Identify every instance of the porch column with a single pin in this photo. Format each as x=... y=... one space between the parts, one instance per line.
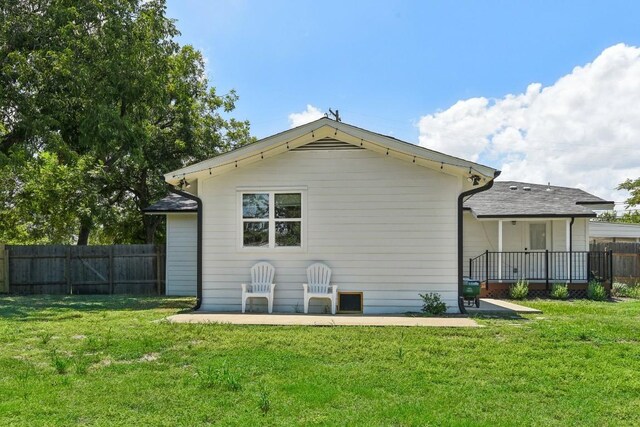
x=500 y=250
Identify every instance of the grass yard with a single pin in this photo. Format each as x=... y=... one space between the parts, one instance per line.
x=114 y=361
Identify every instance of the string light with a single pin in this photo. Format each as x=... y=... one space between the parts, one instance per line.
x=370 y=143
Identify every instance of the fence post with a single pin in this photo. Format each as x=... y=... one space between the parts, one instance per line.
x=158 y=279
x=611 y=268
x=111 y=269
x=546 y=267
x=486 y=268
x=67 y=270
x=6 y=287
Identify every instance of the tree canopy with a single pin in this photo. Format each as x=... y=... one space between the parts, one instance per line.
x=97 y=100
x=631 y=216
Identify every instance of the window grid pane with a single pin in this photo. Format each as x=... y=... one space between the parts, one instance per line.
x=288 y=205
x=255 y=205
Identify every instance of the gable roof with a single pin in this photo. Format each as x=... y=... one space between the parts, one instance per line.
x=512 y=199
x=172 y=203
x=322 y=129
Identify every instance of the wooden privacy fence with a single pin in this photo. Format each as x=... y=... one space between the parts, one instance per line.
x=626 y=260
x=62 y=269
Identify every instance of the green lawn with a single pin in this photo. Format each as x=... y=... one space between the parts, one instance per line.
x=114 y=361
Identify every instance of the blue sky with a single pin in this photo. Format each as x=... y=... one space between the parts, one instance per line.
x=389 y=66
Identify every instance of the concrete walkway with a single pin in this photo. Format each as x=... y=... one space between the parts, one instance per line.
x=321 y=320
x=490 y=305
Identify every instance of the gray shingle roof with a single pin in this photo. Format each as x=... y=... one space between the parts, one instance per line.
x=173 y=203
x=501 y=201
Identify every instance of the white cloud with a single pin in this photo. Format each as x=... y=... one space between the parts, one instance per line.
x=582 y=131
x=309 y=115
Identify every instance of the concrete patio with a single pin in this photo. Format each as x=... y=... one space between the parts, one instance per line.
x=285 y=319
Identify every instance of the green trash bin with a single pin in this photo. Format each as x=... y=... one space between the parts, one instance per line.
x=471 y=292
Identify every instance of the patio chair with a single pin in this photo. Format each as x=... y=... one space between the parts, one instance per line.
x=261 y=285
x=318 y=286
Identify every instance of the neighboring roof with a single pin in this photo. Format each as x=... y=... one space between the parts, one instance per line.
x=172 y=203
x=322 y=129
x=501 y=201
x=613 y=229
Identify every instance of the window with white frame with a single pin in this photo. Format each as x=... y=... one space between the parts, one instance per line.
x=272 y=219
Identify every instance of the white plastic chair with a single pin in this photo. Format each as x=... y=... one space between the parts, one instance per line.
x=318 y=286
x=261 y=285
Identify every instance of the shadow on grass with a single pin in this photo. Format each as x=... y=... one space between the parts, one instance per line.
x=45 y=307
x=497 y=315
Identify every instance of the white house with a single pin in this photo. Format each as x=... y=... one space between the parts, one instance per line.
x=388 y=217
x=383 y=214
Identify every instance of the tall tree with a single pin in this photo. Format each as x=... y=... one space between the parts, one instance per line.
x=97 y=100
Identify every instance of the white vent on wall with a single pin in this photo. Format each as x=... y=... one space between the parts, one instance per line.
x=526 y=188
x=513 y=187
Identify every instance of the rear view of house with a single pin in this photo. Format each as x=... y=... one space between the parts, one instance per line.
x=383 y=214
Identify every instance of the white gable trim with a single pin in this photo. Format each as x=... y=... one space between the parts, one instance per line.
x=326 y=128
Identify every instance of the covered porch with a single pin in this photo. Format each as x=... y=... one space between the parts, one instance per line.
x=542 y=251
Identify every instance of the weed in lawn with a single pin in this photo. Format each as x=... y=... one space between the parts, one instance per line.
x=107 y=338
x=207 y=377
x=91 y=344
x=45 y=337
x=401 y=352
x=60 y=363
x=81 y=364
x=229 y=379
x=264 y=401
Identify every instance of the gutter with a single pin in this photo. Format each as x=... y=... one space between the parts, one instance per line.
x=199 y=243
x=461 y=198
x=571 y=249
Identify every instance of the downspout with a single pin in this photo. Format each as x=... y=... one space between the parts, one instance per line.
x=461 y=198
x=199 y=243
x=571 y=249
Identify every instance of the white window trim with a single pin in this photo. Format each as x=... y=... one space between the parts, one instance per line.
x=272 y=248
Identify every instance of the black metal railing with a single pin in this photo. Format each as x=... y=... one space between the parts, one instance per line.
x=547 y=266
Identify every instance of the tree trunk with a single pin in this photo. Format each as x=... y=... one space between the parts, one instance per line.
x=151 y=223
x=85 y=229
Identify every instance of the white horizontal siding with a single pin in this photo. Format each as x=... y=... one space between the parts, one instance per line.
x=181 y=261
x=385 y=227
x=608 y=230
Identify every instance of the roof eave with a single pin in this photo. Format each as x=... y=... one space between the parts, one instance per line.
x=284 y=141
